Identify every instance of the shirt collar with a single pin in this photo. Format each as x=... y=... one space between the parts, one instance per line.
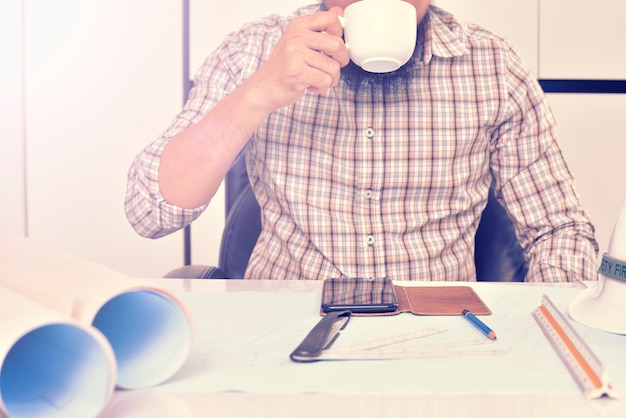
x=440 y=34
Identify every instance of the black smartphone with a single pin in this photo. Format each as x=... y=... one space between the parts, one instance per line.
x=359 y=295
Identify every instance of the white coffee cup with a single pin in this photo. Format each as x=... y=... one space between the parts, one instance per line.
x=380 y=34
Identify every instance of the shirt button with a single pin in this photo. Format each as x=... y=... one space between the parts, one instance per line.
x=368 y=193
x=370 y=240
x=370 y=132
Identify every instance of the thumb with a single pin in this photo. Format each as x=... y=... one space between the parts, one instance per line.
x=336 y=10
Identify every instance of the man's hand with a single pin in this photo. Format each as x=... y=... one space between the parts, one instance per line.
x=309 y=56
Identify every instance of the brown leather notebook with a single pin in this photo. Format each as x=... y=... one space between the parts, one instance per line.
x=439 y=300
x=436 y=300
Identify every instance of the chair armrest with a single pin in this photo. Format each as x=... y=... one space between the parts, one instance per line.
x=196 y=272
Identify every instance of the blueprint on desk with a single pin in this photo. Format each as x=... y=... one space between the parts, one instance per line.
x=243 y=341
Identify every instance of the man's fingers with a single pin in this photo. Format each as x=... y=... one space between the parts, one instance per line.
x=309 y=56
x=321 y=32
x=322 y=22
x=331 y=46
x=329 y=68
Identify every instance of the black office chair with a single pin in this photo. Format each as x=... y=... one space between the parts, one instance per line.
x=498 y=255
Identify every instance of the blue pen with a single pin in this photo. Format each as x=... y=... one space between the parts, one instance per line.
x=479 y=324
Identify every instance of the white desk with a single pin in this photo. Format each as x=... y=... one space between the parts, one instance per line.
x=245 y=331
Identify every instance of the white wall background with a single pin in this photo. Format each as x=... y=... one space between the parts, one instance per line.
x=84 y=85
x=98 y=79
x=12 y=187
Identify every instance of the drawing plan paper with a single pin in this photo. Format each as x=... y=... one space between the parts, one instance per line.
x=244 y=339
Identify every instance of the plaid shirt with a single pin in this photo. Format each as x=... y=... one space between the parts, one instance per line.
x=392 y=185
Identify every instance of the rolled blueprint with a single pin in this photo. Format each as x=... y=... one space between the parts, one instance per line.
x=149 y=329
x=50 y=364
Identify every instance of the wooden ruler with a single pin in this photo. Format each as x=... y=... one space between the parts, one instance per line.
x=584 y=366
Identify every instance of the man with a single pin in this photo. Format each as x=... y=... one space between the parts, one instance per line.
x=369 y=175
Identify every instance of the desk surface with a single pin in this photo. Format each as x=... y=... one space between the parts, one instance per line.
x=239 y=365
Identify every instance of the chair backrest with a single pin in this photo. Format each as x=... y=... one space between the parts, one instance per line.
x=243 y=221
x=498 y=255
